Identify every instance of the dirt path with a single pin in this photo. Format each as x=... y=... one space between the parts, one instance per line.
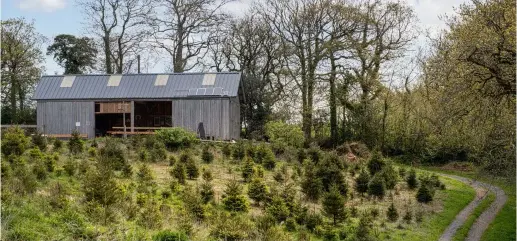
x=481 y=224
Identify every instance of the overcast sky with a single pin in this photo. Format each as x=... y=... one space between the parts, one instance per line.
x=53 y=17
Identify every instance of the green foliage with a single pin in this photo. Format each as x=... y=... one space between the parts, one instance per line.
x=290 y=224
x=247 y=169
x=390 y=176
x=76 y=143
x=361 y=183
x=329 y=170
x=145 y=180
x=150 y=216
x=313 y=220
x=50 y=163
x=364 y=230
x=314 y=153
x=233 y=200
x=158 y=152
x=192 y=169
x=207 y=175
x=376 y=163
x=425 y=194
x=113 y=154
x=227 y=151
x=99 y=185
x=38 y=140
x=257 y=190
x=311 y=184
x=58 y=144
x=334 y=205
x=177 y=137
x=207 y=156
x=40 y=170
x=143 y=155
x=92 y=152
x=408 y=217
x=35 y=154
x=94 y=143
x=278 y=208
x=412 y=180
x=392 y=213
x=301 y=155
x=377 y=186
x=193 y=202
x=14 y=141
x=70 y=167
x=239 y=150
x=231 y=227
x=268 y=160
x=74 y=54
x=206 y=191
x=167 y=235
x=280 y=133
x=172 y=160
x=179 y=172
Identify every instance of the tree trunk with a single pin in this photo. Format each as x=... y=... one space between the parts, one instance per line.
x=332 y=103
x=14 y=86
x=107 y=54
x=178 y=58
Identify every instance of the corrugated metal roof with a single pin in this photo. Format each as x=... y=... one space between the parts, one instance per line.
x=133 y=86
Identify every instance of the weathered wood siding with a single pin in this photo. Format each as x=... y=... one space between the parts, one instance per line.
x=215 y=114
x=235 y=118
x=59 y=117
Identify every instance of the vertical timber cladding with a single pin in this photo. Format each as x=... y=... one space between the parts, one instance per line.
x=60 y=117
x=213 y=113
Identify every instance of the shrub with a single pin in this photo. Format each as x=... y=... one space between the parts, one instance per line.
x=314 y=153
x=377 y=186
x=363 y=232
x=14 y=141
x=425 y=194
x=94 y=143
x=390 y=176
x=207 y=192
x=233 y=200
x=361 y=183
x=167 y=235
x=92 y=152
x=247 y=169
x=158 y=152
x=280 y=132
x=76 y=143
x=408 y=216
x=333 y=205
x=313 y=220
x=193 y=203
x=412 y=180
x=113 y=155
x=257 y=190
x=279 y=176
x=239 y=150
x=290 y=224
x=143 y=155
x=150 y=216
x=268 y=160
x=376 y=163
x=227 y=151
x=40 y=170
x=179 y=173
x=301 y=155
x=392 y=213
x=145 y=178
x=99 y=185
x=172 y=160
x=207 y=175
x=58 y=144
x=402 y=173
x=176 y=137
x=207 y=156
x=35 y=154
x=311 y=184
x=278 y=208
x=192 y=169
x=231 y=227
x=50 y=163
x=70 y=167
x=330 y=173
x=38 y=140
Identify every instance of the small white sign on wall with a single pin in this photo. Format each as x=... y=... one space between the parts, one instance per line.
x=78 y=124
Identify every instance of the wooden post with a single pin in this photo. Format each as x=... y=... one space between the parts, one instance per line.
x=132 y=116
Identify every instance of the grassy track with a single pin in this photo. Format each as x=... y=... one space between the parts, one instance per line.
x=454 y=199
x=462 y=232
x=503 y=227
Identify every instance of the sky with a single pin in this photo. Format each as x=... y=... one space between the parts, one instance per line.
x=54 y=17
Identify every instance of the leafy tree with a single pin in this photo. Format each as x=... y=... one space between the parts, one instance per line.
x=99 y=185
x=361 y=183
x=392 y=213
x=390 y=176
x=233 y=200
x=20 y=68
x=14 y=142
x=257 y=190
x=377 y=186
x=311 y=184
x=280 y=132
x=334 y=205
x=331 y=173
x=278 y=208
x=75 y=55
x=425 y=194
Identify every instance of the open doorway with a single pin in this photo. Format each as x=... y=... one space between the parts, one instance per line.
x=109 y=116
